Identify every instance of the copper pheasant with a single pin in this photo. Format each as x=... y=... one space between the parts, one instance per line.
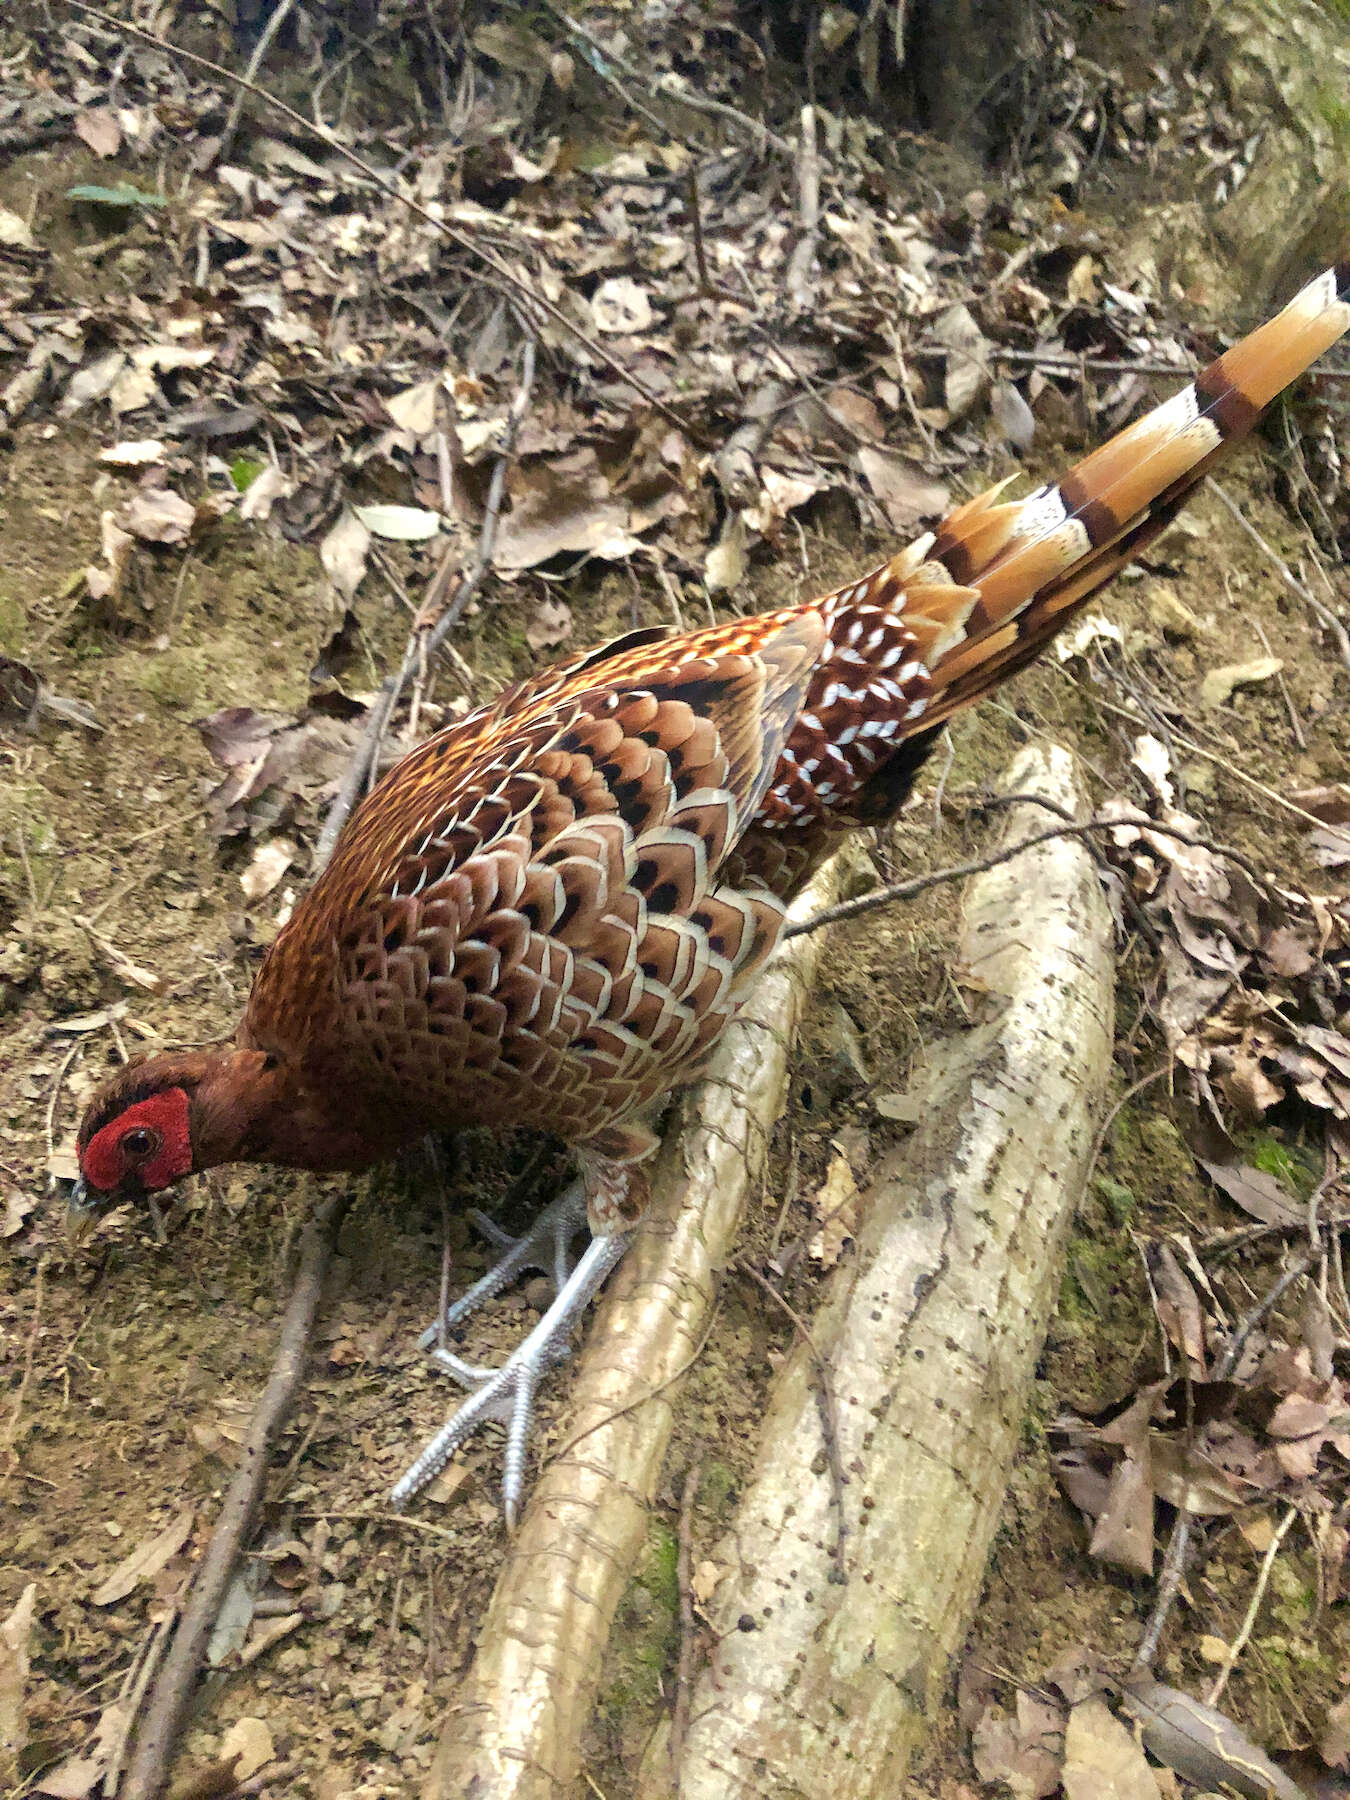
x=549 y=911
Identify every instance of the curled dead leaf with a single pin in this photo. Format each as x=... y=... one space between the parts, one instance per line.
x=1219 y=685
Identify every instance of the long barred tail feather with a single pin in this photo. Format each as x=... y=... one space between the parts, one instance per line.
x=947 y=620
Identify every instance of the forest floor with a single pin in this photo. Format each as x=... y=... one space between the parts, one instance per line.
x=127 y=919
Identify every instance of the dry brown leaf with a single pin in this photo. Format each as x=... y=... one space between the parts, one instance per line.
x=15 y=233
x=1001 y=1752
x=1012 y=415
x=1330 y=847
x=262 y=493
x=145 y=1561
x=1334 y=1743
x=18 y=1206
x=157 y=515
x=14 y=1635
x=905 y=1109
x=343 y=554
x=79 y=1775
x=549 y=624
x=1081 y=286
x=967 y=374
x=248 y=1745
x=1103 y=1759
x=1178 y=1307
x=1124 y=1531
x=133 y=453
x=1184 y=1477
x=561 y=508
x=415 y=408
x=836 y=1207
x=1218 y=686
x=725 y=564
x=1330 y=803
x=97 y=126
x=267 y=865
x=1085 y=1481
x=780 y=493
x=908 y=494
x=133 y=389
x=703 y=1582
x=619 y=305
x=1258 y=1194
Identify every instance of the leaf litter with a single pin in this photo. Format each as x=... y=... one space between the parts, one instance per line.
x=297 y=372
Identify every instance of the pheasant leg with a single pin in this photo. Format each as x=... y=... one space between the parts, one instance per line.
x=546 y=1245
x=507 y=1394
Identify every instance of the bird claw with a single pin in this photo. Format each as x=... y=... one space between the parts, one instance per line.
x=552 y=1232
x=507 y=1394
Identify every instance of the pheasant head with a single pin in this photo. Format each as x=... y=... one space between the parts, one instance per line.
x=162 y=1118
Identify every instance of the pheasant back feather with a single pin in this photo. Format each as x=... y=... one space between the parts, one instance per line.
x=527 y=918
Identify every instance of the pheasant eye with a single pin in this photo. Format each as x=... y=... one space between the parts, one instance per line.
x=140 y=1142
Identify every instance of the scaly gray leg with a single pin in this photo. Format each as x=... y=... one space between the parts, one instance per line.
x=546 y=1245
x=507 y=1394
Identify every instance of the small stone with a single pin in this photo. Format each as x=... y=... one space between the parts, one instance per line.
x=1170 y=614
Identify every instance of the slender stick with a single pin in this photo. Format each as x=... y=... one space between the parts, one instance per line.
x=1239 y=1643
x=1285 y=573
x=705 y=281
x=798 y=280
x=1169 y=1585
x=1248 y=1323
x=275 y=21
x=919 y=884
x=423 y=645
x=684 y=1571
x=157 y=1737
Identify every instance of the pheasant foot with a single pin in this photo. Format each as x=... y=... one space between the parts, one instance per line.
x=507 y=1394
x=546 y=1245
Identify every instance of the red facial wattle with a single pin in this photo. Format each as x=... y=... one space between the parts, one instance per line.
x=106 y=1164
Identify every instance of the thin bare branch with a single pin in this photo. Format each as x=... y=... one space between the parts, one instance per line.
x=158 y=1734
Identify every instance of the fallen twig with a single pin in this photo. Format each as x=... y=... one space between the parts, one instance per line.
x=1224 y=763
x=1249 y=1321
x=919 y=884
x=677 y=95
x=275 y=20
x=798 y=279
x=158 y=1733
x=1169 y=1585
x=1285 y=573
x=684 y=1573
x=1239 y=1643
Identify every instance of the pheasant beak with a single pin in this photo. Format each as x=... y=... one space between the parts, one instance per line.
x=86 y=1207
x=81 y=1215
